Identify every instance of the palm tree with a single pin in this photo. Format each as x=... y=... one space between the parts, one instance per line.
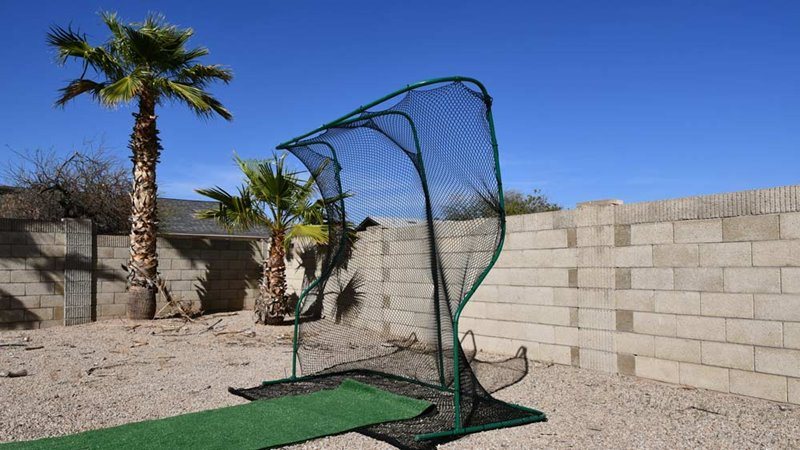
x=278 y=199
x=148 y=62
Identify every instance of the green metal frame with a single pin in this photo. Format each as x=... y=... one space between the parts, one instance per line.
x=458 y=429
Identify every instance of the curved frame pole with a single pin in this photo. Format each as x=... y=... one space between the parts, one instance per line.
x=458 y=428
x=502 y=213
x=435 y=264
x=325 y=274
x=383 y=99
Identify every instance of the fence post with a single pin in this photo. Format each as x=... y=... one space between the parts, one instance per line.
x=78 y=264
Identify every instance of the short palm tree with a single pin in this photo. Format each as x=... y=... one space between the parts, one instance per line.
x=286 y=205
x=148 y=62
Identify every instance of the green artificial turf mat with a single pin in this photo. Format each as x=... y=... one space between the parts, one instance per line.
x=254 y=425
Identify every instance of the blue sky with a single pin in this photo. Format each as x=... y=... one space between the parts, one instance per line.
x=630 y=100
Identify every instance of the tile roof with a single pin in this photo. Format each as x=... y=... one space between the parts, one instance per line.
x=177 y=216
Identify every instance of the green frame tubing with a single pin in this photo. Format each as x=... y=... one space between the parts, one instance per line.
x=325 y=274
x=458 y=429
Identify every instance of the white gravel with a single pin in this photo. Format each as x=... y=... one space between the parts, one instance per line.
x=109 y=373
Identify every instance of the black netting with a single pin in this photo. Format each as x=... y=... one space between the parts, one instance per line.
x=416 y=224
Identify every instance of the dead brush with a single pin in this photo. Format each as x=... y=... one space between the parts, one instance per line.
x=175 y=307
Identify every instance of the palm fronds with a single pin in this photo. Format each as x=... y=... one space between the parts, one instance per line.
x=234 y=212
x=78 y=87
x=150 y=57
x=273 y=196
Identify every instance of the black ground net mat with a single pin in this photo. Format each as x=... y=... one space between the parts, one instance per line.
x=402 y=434
x=414 y=210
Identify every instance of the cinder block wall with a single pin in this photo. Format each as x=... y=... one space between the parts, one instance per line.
x=214 y=274
x=700 y=291
x=31 y=274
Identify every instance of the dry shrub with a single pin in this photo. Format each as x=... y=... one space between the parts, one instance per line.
x=86 y=184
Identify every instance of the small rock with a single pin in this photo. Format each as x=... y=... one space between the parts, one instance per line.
x=13 y=373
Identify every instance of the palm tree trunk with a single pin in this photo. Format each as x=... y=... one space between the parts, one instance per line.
x=271 y=305
x=143 y=264
x=262 y=301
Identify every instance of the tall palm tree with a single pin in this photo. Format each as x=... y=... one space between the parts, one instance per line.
x=279 y=200
x=148 y=62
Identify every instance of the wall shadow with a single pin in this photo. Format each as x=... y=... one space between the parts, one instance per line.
x=225 y=270
x=307 y=257
x=33 y=289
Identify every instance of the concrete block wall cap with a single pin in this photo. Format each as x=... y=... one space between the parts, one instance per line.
x=76 y=219
x=30 y=226
x=603 y=202
x=784 y=199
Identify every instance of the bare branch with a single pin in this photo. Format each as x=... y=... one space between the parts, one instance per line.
x=89 y=183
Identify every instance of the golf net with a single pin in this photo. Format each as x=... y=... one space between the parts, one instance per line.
x=416 y=220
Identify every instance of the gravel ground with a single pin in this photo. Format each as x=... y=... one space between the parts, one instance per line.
x=113 y=372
